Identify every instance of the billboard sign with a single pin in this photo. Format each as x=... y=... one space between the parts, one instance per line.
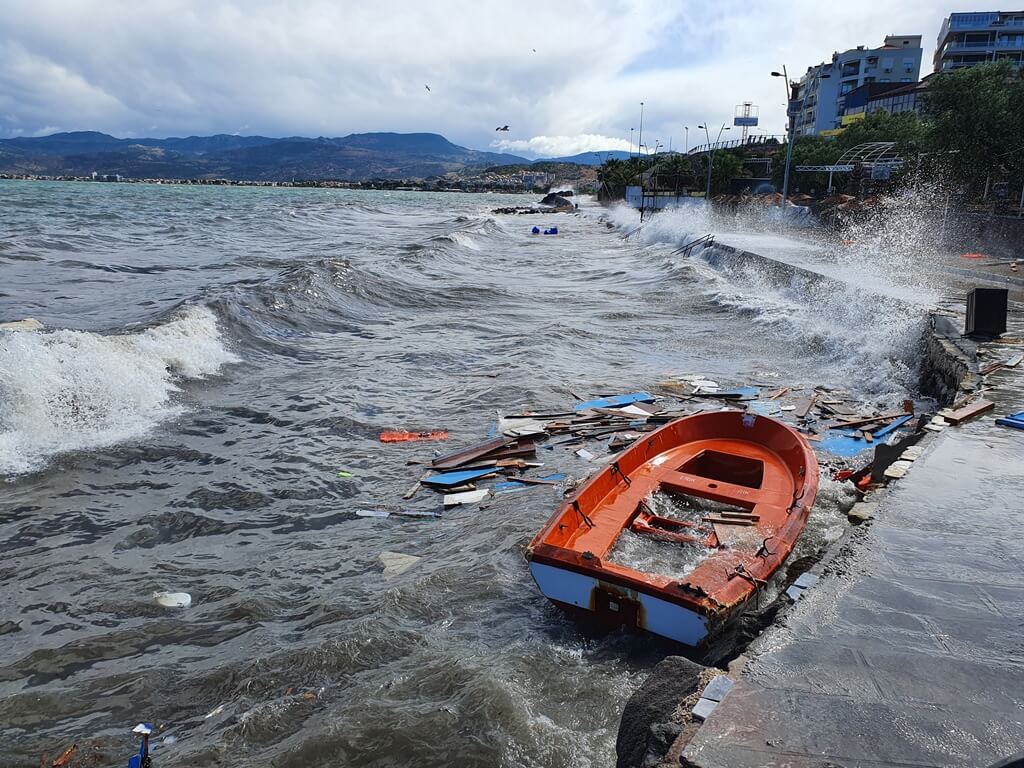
x=744 y=121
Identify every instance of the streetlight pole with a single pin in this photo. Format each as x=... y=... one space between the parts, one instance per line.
x=792 y=129
x=686 y=128
x=791 y=97
x=641 y=139
x=630 y=142
x=711 y=155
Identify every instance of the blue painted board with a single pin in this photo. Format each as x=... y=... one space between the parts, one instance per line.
x=841 y=443
x=892 y=427
x=1015 y=420
x=455 y=479
x=617 y=401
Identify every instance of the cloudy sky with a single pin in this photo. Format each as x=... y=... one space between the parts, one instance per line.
x=566 y=76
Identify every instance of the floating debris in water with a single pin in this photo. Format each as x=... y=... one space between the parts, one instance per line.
x=411 y=437
x=396 y=563
x=173 y=599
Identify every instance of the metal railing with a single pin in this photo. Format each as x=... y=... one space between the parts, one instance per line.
x=751 y=141
x=707 y=241
x=964 y=45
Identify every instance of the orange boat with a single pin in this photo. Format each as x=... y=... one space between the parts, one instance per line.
x=739 y=487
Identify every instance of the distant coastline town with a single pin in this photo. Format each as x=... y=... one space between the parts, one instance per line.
x=860 y=123
x=863 y=123
x=500 y=179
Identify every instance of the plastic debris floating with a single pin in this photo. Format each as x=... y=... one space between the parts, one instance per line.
x=411 y=437
x=173 y=599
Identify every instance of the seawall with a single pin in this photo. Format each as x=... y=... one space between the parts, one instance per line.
x=657 y=724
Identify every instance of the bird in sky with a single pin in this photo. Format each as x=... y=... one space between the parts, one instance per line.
x=502 y=128
x=426 y=86
x=534 y=50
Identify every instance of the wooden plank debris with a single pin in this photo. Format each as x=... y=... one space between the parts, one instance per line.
x=469 y=497
x=719 y=520
x=611 y=402
x=804 y=406
x=522 y=448
x=845 y=424
x=466 y=455
x=968 y=412
x=412 y=491
x=739 y=515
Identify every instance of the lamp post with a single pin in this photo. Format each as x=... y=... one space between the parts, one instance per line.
x=640 y=139
x=791 y=97
x=630 y=142
x=711 y=155
x=686 y=129
x=790 y=132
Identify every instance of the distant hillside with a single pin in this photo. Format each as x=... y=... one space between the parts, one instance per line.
x=357 y=157
x=587 y=158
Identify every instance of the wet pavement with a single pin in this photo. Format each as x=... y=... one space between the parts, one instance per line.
x=909 y=650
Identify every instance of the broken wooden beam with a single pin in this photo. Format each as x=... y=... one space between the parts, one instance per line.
x=845 y=424
x=804 y=406
x=968 y=412
x=718 y=520
x=466 y=455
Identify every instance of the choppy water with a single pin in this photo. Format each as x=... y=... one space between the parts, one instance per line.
x=214 y=357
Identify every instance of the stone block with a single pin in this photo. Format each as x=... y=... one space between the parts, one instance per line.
x=717 y=688
x=703 y=708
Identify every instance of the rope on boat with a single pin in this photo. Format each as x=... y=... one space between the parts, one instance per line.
x=576 y=506
x=615 y=468
x=741 y=572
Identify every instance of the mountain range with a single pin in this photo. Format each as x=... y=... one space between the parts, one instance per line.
x=356 y=157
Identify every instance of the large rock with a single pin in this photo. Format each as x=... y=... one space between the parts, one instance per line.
x=646 y=730
x=557 y=202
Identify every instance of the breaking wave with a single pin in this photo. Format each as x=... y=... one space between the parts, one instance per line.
x=68 y=390
x=848 y=313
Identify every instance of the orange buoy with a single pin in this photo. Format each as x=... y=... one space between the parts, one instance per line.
x=411 y=437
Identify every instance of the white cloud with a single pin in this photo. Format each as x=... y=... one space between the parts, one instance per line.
x=332 y=67
x=560 y=146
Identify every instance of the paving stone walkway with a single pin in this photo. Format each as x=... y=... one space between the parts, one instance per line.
x=910 y=650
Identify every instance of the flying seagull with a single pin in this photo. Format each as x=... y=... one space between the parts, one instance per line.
x=427 y=87
x=502 y=128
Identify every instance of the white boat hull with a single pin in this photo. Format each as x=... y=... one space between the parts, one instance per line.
x=655 y=615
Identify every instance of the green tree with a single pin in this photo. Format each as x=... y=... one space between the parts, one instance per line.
x=727 y=165
x=807 y=150
x=976 y=123
x=904 y=128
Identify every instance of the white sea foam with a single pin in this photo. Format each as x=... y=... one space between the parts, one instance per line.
x=867 y=343
x=72 y=390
